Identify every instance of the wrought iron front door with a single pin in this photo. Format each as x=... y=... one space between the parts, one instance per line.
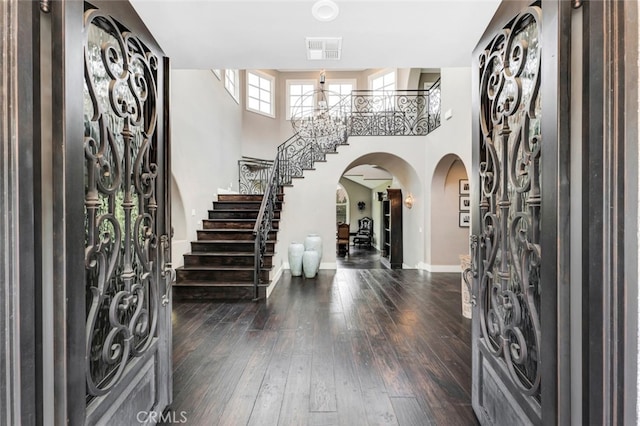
x=115 y=212
x=514 y=217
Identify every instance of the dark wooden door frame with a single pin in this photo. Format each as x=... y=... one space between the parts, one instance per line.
x=610 y=211
x=20 y=390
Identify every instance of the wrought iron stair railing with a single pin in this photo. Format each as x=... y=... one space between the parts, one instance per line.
x=253 y=175
x=372 y=113
x=264 y=222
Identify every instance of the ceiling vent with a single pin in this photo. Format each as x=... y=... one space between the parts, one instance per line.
x=321 y=48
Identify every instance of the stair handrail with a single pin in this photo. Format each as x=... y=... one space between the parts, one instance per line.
x=264 y=222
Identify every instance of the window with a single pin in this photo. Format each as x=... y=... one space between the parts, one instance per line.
x=342 y=205
x=300 y=99
x=386 y=81
x=382 y=84
x=340 y=93
x=231 y=84
x=260 y=91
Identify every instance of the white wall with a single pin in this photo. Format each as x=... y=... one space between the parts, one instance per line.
x=206 y=130
x=452 y=137
x=262 y=134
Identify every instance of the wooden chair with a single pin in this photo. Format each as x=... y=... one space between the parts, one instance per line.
x=365 y=232
x=342 y=243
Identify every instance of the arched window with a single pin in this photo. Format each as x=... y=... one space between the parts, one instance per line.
x=342 y=205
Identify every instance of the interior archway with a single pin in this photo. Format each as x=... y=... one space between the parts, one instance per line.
x=393 y=171
x=450 y=211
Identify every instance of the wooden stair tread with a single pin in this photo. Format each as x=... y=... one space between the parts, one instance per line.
x=219 y=284
x=228 y=230
x=242 y=201
x=230 y=241
x=275 y=219
x=218 y=268
x=235 y=210
x=225 y=253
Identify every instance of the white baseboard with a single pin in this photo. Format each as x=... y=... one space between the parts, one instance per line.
x=274 y=280
x=323 y=265
x=439 y=268
x=328 y=265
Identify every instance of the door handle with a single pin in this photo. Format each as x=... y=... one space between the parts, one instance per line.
x=166 y=270
x=471 y=273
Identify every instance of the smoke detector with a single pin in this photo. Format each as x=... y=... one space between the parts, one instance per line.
x=322 y=48
x=325 y=10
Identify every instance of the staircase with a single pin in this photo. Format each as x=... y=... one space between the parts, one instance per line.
x=222 y=261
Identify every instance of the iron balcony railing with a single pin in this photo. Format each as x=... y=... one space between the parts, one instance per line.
x=394 y=113
x=371 y=113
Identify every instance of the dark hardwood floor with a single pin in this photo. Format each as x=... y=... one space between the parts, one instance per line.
x=360 y=257
x=350 y=347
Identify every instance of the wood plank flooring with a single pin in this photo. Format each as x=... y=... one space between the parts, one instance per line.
x=350 y=347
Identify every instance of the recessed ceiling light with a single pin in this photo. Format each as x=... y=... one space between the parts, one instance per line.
x=325 y=10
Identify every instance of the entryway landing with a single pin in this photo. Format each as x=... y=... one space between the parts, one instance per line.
x=352 y=346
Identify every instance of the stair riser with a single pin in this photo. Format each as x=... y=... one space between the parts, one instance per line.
x=232 y=205
x=186 y=275
x=226 y=247
x=186 y=292
x=229 y=236
x=231 y=224
x=196 y=260
x=244 y=197
x=235 y=214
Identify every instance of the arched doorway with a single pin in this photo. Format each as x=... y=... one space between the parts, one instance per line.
x=450 y=215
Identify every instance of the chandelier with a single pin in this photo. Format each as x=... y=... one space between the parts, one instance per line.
x=320 y=117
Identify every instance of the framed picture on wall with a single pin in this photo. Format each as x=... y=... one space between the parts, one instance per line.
x=464 y=219
x=464 y=187
x=465 y=203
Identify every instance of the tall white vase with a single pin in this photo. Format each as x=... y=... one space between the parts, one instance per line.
x=314 y=242
x=310 y=262
x=296 y=250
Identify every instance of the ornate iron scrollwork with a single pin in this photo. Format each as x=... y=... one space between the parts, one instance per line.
x=509 y=240
x=120 y=82
x=394 y=113
x=253 y=175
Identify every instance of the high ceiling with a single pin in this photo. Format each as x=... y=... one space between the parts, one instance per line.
x=264 y=34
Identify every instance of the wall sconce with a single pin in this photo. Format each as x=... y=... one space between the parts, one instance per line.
x=361 y=205
x=408 y=202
